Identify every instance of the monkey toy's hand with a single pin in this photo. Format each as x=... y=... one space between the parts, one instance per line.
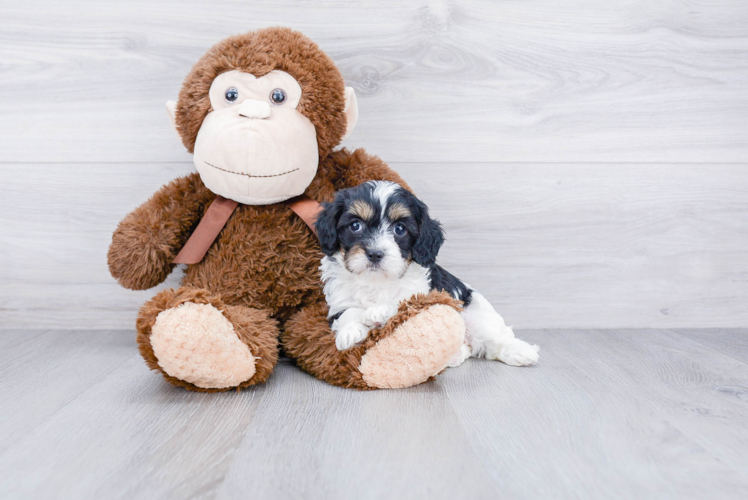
x=147 y=240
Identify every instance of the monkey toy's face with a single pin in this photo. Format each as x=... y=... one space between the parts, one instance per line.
x=258 y=111
x=255 y=147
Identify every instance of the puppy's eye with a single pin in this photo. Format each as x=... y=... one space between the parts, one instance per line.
x=356 y=226
x=231 y=95
x=278 y=96
x=400 y=229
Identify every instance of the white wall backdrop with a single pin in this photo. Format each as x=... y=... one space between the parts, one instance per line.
x=589 y=159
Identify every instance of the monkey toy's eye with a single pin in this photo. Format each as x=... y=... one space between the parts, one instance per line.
x=400 y=229
x=231 y=95
x=356 y=226
x=278 y=96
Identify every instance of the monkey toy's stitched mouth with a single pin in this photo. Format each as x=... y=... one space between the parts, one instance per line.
x=250 y=175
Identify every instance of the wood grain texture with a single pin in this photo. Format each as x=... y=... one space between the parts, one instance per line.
x=407 y=444
x=123 y=433
x=575 y=246
x=478 y=80
x=606 y=414
x=730 y=342
x=618 y=414
x=42 y=371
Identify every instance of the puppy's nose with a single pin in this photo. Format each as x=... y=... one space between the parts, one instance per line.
x=374 y=256
x=252 y=108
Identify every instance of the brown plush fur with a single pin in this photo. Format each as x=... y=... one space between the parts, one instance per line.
x=307 y=338
x=263 y=267
x=148 y=238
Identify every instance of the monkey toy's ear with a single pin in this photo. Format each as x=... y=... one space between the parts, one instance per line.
x=171 y=110
x=351 y=111
x=327 y=226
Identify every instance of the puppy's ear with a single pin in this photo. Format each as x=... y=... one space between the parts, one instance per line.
x=327 y=226
x=430 y=237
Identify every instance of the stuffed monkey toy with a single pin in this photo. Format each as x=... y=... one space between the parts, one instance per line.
x=262 y=113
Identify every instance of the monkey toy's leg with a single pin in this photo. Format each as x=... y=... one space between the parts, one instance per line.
x=198 y=342
x=414 y=346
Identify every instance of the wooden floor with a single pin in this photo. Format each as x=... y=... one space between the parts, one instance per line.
x=606 y=414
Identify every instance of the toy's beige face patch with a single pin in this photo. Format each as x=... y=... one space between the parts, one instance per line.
x=255 y=146
x=248 y=86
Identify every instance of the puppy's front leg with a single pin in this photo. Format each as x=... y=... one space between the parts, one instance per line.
x=349 y=328
x=378 y=316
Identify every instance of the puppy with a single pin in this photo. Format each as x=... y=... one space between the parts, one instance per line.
x=380 y=248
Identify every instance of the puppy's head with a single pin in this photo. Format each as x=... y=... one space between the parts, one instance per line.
x=379 y=228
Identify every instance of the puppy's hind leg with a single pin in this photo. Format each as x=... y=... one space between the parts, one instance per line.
x=489 y=336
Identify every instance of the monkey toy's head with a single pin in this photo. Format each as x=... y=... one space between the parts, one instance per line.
x=258 y=111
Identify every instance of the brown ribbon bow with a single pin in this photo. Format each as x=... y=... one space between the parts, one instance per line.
x=218 y=214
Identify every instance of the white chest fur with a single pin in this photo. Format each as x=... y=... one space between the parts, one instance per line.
x=345 y=290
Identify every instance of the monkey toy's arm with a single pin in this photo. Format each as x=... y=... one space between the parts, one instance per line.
x=148 y=238
x=354 y=168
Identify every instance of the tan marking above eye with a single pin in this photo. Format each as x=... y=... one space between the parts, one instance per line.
x=398 y=211
x=361 y=209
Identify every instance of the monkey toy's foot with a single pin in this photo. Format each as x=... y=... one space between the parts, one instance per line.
x=198 y=342
x=414 y=346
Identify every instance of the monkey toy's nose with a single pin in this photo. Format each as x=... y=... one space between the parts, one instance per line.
x=374 y=255
x=252 y=108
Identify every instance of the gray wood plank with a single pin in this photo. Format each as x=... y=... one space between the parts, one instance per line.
x=57 y=224
x=130 y=435
x=703 y=389
x=577 y=246
x=311 y=440
x=609 y=414
x=606 y=414
x=10 y=339
x=732 y=342
x=438 y=80
x=574 y=246
x=43 y=371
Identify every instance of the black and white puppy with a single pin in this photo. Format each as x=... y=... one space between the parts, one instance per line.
x=380 y=247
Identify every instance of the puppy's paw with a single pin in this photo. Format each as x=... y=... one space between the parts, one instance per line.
x=516 y=353
x=460 y=356
x=349 y=335
x=377 y=316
